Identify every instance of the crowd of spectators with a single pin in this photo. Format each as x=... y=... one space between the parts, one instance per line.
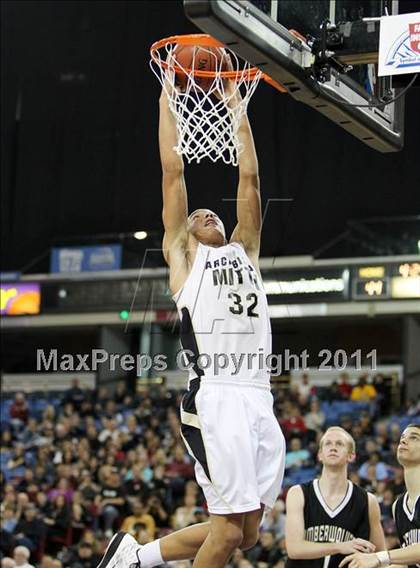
x=92 y=462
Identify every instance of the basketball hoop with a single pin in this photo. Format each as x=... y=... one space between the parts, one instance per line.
x=211 y=103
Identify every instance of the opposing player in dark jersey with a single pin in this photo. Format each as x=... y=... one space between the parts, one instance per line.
x=406 y=511
x=227 y=417
x=331 y=517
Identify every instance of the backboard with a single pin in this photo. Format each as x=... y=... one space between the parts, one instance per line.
x=333 y=71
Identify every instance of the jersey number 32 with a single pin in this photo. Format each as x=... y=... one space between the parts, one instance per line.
x=238 y=307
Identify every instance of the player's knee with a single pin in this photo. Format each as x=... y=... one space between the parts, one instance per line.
x=231 y=538
x=250 y=540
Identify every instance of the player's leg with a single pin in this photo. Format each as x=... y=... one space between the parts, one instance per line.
x=184 y=544
x=124 y=550
x=225 y=535
x=251 y=528
x=210 y=543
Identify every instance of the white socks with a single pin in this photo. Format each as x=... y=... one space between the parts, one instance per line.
x=150 y=555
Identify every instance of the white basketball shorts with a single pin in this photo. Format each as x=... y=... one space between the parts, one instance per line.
x=239 y=449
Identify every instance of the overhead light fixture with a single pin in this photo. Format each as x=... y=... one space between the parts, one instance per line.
x=140 y=235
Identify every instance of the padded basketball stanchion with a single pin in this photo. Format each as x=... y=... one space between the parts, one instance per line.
x=207 y=118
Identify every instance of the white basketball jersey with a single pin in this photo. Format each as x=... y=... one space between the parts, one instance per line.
x=224 y=317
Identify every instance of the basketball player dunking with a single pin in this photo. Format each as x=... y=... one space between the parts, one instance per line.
x=330 y=516
x=406 y=511
x=227 y=416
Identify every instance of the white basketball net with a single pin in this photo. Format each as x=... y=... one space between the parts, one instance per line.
x=207 y=120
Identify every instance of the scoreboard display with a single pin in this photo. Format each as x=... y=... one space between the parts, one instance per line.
x=386 y=281
x=318 y=284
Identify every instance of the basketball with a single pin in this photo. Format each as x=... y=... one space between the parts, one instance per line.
x=196 y=58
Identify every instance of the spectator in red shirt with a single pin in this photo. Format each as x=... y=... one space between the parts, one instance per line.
x=344 y=387
x=19 y=411
x=180 y=466
x=294 y=424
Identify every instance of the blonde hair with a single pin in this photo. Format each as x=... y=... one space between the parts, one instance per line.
x=24 y=550
x=350 y=440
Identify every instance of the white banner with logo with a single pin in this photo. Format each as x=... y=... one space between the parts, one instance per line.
x=399 y=44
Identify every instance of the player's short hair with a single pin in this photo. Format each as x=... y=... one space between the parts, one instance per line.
x=191 y=214
x=350 y=440
x=200 y=209
x=415 y=425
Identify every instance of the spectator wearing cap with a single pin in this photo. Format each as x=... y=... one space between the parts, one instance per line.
x=21 y=555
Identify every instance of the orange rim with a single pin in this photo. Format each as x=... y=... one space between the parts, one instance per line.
x=205 y=40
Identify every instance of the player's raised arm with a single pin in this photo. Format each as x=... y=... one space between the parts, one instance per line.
x=300 y=549
x=175 y=205
x=248 y=205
